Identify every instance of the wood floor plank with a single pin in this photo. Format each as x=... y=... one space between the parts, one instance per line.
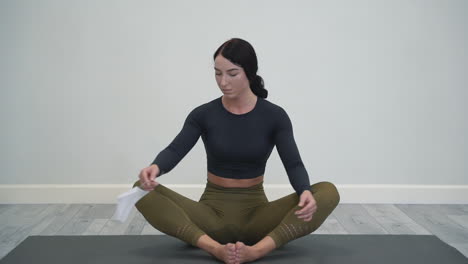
x=49 y=214
x=83 y=219
x=136 y=225
x=24 y=225
x=114 y=227
x=96 y=211
x=31 y=210
x=356 y=220
x=462 y=220
x=150 y=230
x=394 y=220
x=5 y=209
x=437 y=223
x=20 y=212
x=21 y=233
x=61 y=219
x=331 y=226
x=6 y=231
x=450 y=209
x=5 y=248
x=27 y=222
x=95 y=227
x=75 y=226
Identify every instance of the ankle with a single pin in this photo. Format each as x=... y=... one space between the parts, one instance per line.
x=264 y=246
x=259 y=251
x=208 y=244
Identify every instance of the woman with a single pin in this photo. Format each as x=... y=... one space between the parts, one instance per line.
x=233 y=220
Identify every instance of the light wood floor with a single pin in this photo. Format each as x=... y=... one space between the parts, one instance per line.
x=18 y=221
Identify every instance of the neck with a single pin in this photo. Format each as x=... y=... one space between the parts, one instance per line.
x=240 y=102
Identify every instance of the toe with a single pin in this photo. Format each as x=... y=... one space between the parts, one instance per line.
x=231 y=247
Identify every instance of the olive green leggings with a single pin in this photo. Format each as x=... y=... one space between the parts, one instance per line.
x=234 y=214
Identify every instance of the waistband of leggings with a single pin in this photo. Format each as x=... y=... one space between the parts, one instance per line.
x=256 y=187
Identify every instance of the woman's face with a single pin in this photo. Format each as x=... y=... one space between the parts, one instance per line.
x=231 y=78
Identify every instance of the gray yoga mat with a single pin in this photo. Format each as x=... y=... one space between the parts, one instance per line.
x=315 y=248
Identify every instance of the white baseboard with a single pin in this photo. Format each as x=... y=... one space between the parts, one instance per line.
x=349 y=193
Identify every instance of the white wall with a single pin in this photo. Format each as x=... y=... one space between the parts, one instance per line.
x=91 y=91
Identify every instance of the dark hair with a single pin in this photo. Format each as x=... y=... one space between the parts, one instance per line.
x=241 y=53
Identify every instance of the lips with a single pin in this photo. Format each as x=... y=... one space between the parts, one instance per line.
x=226 y=91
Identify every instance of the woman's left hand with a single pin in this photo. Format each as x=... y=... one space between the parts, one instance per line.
x=310 y=206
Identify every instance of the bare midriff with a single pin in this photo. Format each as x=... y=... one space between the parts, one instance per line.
x=226 y=182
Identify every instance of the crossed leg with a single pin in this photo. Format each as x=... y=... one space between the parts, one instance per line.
x=275 y=223
x=188 y=220
x=278 y=220
x=271 y=223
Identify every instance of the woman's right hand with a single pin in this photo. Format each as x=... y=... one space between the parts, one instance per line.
x=147 y=176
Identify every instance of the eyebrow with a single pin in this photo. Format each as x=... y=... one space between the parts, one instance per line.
x=227 y=70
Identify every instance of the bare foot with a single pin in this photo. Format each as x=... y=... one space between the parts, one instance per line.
x=245 y=253
x=226 y=253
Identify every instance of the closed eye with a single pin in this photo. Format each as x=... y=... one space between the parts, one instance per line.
x=229 y=74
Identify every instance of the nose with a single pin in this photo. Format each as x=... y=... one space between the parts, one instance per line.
x=223 y=80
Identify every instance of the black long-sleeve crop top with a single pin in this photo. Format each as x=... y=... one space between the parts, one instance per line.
x=238 y=145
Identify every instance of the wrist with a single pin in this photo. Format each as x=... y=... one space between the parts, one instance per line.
x=158 y=170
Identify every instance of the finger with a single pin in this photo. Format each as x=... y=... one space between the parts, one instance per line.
x=147 y=186
x=314 y=209
x=299 y=214
x=150 y=185
x=148 y=174
x=152 y=175
x=143 y=185
x=306 y=209
x=306 y=216
x=302 y=210
x=143 y=177
x=303 y=217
